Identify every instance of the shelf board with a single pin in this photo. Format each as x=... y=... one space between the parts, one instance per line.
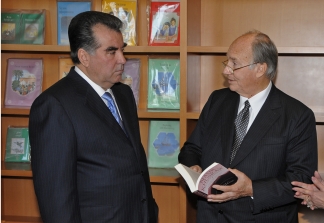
x=20 y=219
x=157 y=175
x=15 y=111
x=9 y=169
x=281 y=50
x=168 y=114
x=66 y=49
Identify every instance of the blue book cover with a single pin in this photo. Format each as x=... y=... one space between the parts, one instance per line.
x=65 y=12
x=163 y=145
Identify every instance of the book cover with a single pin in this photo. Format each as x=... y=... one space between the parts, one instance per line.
x=17 y=145
x=126 y=11
x=131 y=76
x=164 y=28
x=32 y=26
x=10 y=26
x=164 y=84
x=201 y=184
x=24 y=81
x=163 y=146
x=66 y=10
x=65 y=64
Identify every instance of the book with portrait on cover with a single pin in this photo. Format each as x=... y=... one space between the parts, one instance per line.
x=131 y=76
x=66 y=10
x=10 y=26
x=201 y=184
x=163 y=84
x=17 y=144
x=24 y=81
x=126 y=11
x=164 y=25
x=163 y=146
x=32 y=26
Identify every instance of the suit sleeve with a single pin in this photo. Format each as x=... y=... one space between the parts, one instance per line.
x=53 y=160
x=301 y=162
x=191 y=151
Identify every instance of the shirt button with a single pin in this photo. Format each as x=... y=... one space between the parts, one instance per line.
x=220 y=211
x=143 y=200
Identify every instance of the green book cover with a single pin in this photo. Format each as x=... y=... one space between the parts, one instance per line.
x=10 y=26
x=164 y=84
x=17 y=145
x=163 y=147
x=32 y=26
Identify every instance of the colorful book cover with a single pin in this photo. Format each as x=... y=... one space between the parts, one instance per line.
x=131 y=76
x=66 y=10
x=33 y=26
x=164 y=84
x=65 y=64
x=163 y=147
x=164 y=24
x=17 y=145
x=126 y=11
x=24 y=81
x=10 y=26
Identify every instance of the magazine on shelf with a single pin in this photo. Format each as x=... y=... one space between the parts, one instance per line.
x=24 y=81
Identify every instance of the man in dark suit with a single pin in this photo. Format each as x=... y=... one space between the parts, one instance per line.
x=279 y=146
x=87 y=167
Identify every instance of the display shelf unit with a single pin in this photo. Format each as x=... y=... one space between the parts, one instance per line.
x=207 y=29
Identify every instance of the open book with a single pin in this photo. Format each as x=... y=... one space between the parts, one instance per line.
x=201 y=184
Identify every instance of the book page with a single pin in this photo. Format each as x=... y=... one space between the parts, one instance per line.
x=189 y=175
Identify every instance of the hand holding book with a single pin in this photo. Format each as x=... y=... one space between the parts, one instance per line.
x=201 y=183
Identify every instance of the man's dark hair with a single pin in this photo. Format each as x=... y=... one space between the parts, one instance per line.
x=81 y=31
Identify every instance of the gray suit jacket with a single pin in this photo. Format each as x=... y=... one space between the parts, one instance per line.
x=279 y=147
x=85 y=168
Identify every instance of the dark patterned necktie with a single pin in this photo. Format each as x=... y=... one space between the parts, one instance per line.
x=113 y=108
x=241 y=123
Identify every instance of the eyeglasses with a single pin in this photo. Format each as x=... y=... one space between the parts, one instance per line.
x=231 y=70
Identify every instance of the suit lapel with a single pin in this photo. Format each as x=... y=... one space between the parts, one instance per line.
x=230 y=106
x=268 y=114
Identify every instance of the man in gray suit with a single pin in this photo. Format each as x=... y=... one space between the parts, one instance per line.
x=273 y=145
x=89 y=166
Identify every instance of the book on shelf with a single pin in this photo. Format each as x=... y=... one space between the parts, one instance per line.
x=126 y=11
x=32 y=26
x=163 y=84
x=164 y=23
x=24 y=81
x=66 y=10
x=163 y=146
x=201 y=183
x=17 y=144
x=10 y=26
x=131 y=76
x=65 y=64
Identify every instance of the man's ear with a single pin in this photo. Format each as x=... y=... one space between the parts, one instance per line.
x=261 y=69
x=84 y=57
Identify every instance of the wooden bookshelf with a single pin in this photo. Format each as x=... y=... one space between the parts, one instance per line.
x=207 y=29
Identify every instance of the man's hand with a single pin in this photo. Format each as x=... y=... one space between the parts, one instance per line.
x=196 y=168
x=242 y=188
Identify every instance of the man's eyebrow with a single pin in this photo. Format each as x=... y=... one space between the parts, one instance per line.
x=112 y=48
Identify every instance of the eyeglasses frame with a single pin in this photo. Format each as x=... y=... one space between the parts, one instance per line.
x=232 y=69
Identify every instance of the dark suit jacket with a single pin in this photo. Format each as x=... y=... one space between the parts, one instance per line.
x=85 y=168
x=279 y=147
